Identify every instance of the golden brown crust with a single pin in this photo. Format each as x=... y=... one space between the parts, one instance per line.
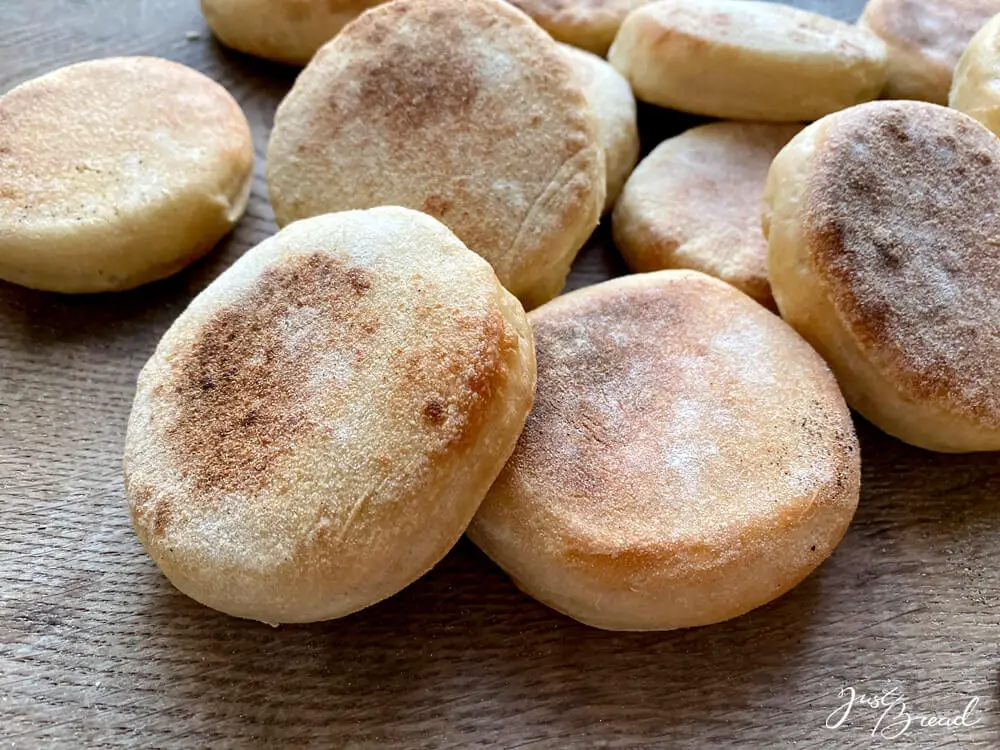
x=318 y=428
x=288 y=31
x=588 y=24
x=903 y=216
x=463 y=109
x=925 y=39
x=117 y=172
x=683 y=446
x=240 y=392
x=695 y=202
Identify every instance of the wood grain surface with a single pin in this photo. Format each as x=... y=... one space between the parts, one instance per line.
x=97 y=649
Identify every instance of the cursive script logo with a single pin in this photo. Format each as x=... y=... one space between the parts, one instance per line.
x=893 y=717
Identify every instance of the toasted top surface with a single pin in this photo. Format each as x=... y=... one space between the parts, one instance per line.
x=91 y=141
x=766 y=28
x=709 y=179
x=463 y=109
x=695 y=202
x=902 y=228
x=939 y=29
x=328 y=372
x=673 y=414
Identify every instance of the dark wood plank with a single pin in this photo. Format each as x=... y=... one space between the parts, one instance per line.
x=96 y=648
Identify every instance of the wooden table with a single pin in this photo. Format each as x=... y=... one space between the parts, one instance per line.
x=97 y=649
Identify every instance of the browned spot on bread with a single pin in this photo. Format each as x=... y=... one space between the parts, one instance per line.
x=141 y=497
x=435 y=205
x=406 y=87
x=140 y=494
x=416 y=86
x=904 y=231
x=435 y=410
x=162 y=515
x=359 y=279
x=373 y=30
x=583 y=351
x=454 y=388
x=157 y=514
x=487 y=369
x=243 y=390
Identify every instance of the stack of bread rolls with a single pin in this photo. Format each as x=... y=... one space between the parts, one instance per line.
x=668 y=449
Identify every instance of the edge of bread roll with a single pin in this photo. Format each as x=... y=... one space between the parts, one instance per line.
x=615 y=111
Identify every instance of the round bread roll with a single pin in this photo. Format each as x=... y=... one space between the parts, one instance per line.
x=463 y=109
x=117 y=172
x=976 y=90
x=747 y=60
x=688 y=458
x=883 y=223
x=925 y=38
x=288 y=31
x=317 y=429
x=588 y=24
x=613 y=104
x=695 y=202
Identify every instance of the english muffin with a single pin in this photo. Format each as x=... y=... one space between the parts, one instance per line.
x=883 y=223
x=745 y=60
x=695 y=202
x=287 y=31
x=588 y=24
x=925 y=39
x=117 y=172
x=316 y=430
x=976 y=90
x=463 y=109
x=688 y=458
x=611 y=100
